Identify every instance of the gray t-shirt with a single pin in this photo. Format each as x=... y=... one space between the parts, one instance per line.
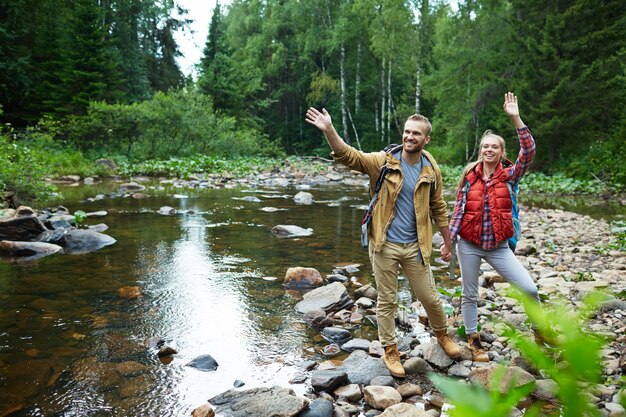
x=403 y=228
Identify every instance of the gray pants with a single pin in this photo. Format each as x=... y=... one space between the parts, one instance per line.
x=503 y=260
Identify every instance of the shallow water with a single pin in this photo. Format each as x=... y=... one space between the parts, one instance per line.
x=72 y=345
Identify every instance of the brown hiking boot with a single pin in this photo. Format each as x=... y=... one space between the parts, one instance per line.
x=478 y=353
x=444 y=340
x=392 y=360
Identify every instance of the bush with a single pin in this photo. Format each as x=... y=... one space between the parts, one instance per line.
x=177 y=124
x=22 y=171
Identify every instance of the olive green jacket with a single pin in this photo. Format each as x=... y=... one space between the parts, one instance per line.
x=428 y=196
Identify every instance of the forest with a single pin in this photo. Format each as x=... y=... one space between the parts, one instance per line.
x=88 y=79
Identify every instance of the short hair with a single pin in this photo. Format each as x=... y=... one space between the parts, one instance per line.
x=419 y=118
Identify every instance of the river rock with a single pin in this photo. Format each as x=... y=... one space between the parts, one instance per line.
x=131 y=186
x=319 y=407
x=78 y=241
x=366 y=291
x=317 y=319
x=204 y=410
x=362 y=368
x=28 y=251
x=330 y=298
x=336 y=335
x=351 y=392
x=204 y=363
x=512 y=374
x=20 y=225
x=328 y=379
x=262 y=401
x=285 y=231
x=356 y=344
x=303 y=198
x=404 y=410
x=302 y=278
x=381 y=397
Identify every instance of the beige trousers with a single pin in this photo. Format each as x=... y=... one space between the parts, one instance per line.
x=385 y=266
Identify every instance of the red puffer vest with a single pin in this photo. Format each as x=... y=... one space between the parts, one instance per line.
x=499 y=204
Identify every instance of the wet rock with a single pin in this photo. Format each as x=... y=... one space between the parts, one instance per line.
x=336 y=335
x=317 y=319
x=298 y=378
x=381 y=398
x=20 y=225
x=238 y=383
x=167 y=211
x=261 y=401
x=28 y=251
x=337 y=278
x=204 y=363
x=331 y=350
x=78 y=242
x=129 y=292
x=328 y=380
x=330 y=298
x=302 y=278
x=319 y=407
x=362 y=368
x=166 y=351
x=303 y=198
x=100 y=227
x=131 y=186
x=285 y=231
x=356 y=344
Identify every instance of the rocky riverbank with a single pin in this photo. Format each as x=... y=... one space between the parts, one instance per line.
x=569 y=255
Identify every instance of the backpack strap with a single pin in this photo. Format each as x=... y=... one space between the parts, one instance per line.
x=466 y=188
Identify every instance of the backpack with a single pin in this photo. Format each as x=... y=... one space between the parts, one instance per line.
x=367 y=215
x=517 y=226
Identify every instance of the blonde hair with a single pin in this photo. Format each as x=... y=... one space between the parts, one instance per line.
x=487 y=135
x=419 y=118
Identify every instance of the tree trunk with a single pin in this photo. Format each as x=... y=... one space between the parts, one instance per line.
x=418 y=88
x=382 y=101
x=344 y=116
x=388 y=100
x=357 y=81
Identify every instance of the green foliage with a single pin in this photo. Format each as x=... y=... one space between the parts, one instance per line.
x=572 y=359
x=177 y=124
x=79 y=217
x=560 y=183
x=22 y=171
x=471 y=400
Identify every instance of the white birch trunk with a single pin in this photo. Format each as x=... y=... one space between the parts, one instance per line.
x=418 y=88
x=357 y=81
x=342 y=74
x=382 y=101
x=388 y=99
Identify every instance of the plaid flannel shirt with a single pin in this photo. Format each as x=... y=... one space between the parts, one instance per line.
x=516 y=172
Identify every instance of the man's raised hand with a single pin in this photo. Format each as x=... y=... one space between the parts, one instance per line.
x=321 y=120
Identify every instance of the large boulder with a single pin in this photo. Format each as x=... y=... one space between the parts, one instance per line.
x=20 y=225
x=80 y=241
x=28 y=251
x=263 y=401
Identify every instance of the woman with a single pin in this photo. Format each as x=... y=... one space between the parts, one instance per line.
x=482 y=220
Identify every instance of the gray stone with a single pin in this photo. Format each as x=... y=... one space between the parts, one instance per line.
x=285 y=231
x=319 y=407
x=328 y=380
x=336 y=335
x=361 y=367
x=330 y=298
x=204 y=363
x=356 y=344
x=381 y=397
x=417 y=366
x=263 y=401
x=79 y=241
x=28 y=251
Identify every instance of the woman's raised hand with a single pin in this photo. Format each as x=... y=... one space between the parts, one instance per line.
x=510 y=105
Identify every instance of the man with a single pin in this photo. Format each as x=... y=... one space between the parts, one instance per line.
x=401 y=229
